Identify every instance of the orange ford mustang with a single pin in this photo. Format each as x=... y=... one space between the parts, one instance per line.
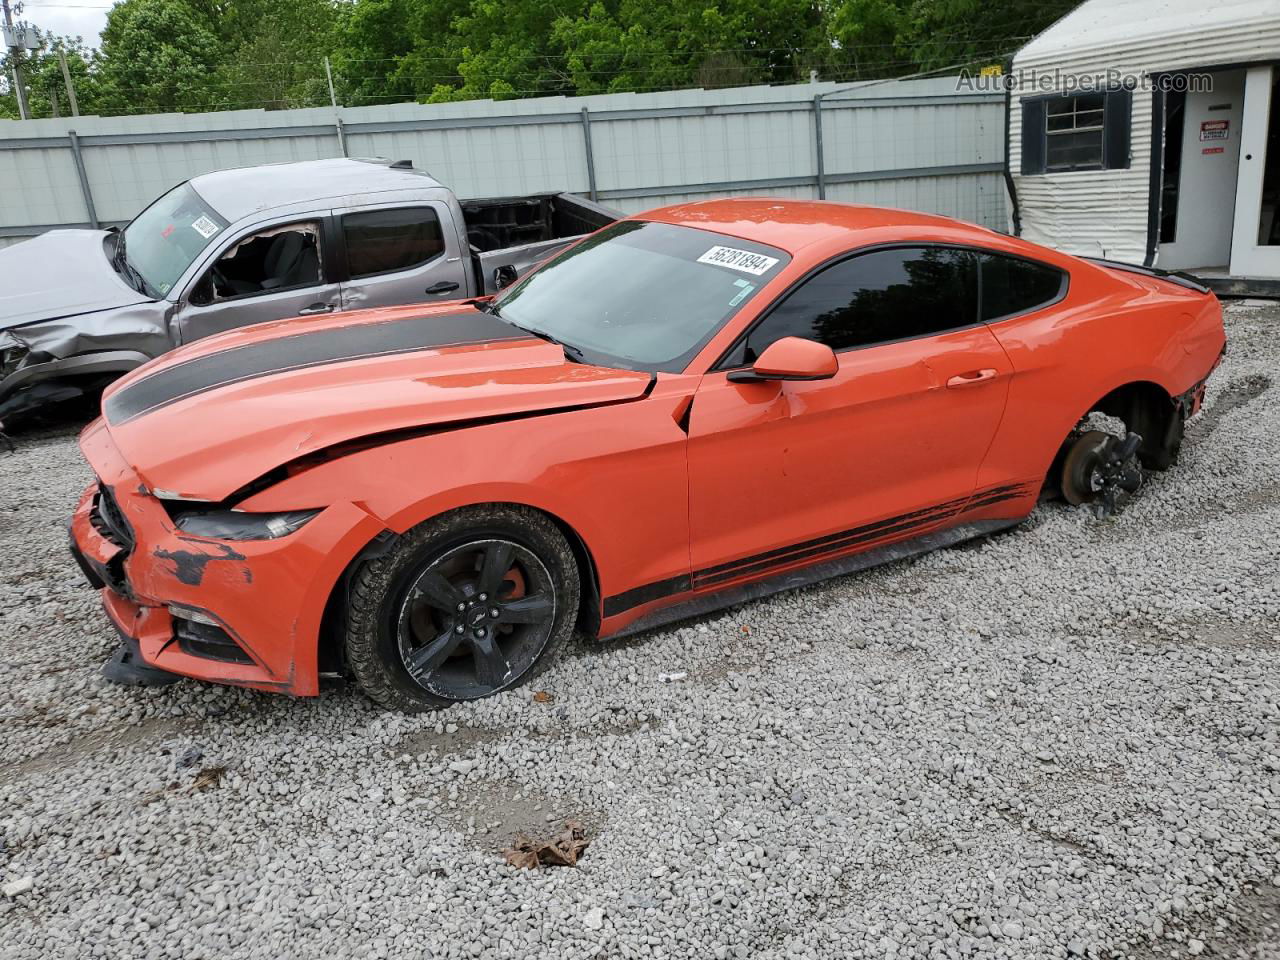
x=691 y=407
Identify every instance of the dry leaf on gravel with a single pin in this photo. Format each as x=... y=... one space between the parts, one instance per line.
x=208 y=778
x=562 y=850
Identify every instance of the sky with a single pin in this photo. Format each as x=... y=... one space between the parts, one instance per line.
x=82 y=18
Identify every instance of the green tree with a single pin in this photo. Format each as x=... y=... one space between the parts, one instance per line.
x=504 y=50
x=160 y=56
x=391 y=51
x=897 y=37
x=464 y=49
x=276 y=51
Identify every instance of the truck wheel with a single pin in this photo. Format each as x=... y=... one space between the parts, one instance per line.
x=464 y=605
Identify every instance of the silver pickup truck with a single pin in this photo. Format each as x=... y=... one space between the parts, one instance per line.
x=80 y=307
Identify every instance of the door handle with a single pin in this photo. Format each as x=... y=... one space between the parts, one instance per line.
x=972 y=378
x=444 y=286
x=315 y=309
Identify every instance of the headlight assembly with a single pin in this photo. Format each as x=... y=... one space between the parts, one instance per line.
x=11 y=357
x=235 y=525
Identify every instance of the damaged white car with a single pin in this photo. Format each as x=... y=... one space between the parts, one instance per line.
x=78 y=308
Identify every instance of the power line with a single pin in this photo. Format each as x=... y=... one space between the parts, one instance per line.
x=673 y=56
x=393 y=97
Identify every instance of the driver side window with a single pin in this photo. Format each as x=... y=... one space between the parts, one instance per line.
x=873 y=298
x=280 y=258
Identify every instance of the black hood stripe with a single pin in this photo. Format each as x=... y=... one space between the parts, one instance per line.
x=300 y=351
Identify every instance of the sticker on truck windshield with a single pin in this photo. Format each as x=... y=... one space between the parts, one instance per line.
x=204 y=226
x=742 y=260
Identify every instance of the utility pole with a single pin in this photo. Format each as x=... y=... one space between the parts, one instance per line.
x=15 y=55
x=66 y=78
x=337 y=114
x=328 y=75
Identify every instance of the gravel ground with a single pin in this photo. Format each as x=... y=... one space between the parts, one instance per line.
x=1064 y=740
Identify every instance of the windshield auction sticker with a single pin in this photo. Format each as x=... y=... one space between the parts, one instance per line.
x=741 y=260
x=204 y=226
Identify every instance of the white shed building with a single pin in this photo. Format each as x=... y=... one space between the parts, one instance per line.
x=1149 y=131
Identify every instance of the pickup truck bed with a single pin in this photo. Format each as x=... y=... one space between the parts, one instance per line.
x=521 y=232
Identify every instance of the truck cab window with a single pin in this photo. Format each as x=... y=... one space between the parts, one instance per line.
x=282 y=258
x=385 y=241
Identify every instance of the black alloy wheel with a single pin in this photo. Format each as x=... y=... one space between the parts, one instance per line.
x=461 y=607
x=478 y=615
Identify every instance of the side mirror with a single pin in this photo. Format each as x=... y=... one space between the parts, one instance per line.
x=504 y=276
x=791 y=358
x=203 y=293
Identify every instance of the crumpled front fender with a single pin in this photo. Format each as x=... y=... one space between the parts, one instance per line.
x=52 y=352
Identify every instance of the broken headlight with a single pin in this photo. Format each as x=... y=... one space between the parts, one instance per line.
x=11 y=355
x=235 y=525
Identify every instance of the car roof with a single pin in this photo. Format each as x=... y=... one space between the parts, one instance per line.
x=241 y=191
x=794 y=224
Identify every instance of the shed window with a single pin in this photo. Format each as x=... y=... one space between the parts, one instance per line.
x=1073 y=132
x=1083 y=131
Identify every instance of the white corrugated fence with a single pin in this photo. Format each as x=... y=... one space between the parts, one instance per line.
x=918 y=144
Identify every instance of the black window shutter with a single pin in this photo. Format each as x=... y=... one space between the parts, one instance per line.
x=1115 y=129
x=1032 y=136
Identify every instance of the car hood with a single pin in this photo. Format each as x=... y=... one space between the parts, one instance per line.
x=61 y=273
x=205 y=421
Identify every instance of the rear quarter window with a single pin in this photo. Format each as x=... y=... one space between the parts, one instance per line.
x=1012 y=286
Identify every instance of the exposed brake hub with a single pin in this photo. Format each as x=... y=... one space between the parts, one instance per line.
x=1101 y=469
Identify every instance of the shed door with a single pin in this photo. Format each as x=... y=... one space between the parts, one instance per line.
x=1255 y=248
x=1202 y=146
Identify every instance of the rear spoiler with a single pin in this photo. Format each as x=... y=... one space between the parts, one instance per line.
x=1173 y=276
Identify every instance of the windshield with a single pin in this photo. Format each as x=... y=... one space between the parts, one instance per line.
x=163 y=239
x=641 y=295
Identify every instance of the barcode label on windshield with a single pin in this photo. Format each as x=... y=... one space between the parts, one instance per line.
x=742 y=260
x=204 y=226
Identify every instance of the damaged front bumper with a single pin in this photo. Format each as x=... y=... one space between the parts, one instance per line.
x=246 y=613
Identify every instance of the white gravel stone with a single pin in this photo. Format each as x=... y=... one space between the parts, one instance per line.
x=19 y=886
x=1069 y=733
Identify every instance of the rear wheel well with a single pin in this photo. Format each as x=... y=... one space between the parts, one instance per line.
x=1145 y=408
x=330 y=657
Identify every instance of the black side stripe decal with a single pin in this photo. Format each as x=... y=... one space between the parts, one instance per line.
x=808 y=549
x=301 y=351
x=783 y=554
x=645 y=594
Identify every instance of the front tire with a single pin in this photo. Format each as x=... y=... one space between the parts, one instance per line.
x=465 y=605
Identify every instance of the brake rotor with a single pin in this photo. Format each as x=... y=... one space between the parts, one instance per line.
x=1100 y=469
